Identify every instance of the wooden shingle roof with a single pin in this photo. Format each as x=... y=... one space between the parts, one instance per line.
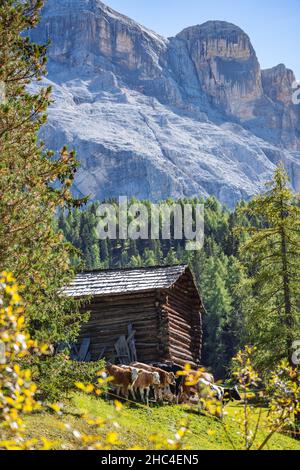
x=123 y=281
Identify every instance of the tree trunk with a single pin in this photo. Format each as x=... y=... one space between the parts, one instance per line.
x=287 y=296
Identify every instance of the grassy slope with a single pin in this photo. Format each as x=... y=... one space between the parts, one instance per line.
x=138 y=423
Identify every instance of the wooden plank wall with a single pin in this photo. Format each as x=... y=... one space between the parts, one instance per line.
x=183 y=312
x=110 y=316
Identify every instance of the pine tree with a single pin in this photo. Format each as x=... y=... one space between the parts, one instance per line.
x=218 y=307
x=171 y=259
x=136 y=262
x=149 y=258
x=272 y=255
x=33 y=181
x=231 y=330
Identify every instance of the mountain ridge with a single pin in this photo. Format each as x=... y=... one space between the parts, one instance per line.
x=154 y=118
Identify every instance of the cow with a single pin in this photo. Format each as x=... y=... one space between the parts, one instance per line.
x=145 y=380
x=222 y=394
x=231 y=394
x=205 y=391
x=166 y=380
x=207 y=376
x=170 y=367
x=202 y=392
x=211 y=393
x=202 y=374
x=185 y=392
x=123 y=379
x=208 y=390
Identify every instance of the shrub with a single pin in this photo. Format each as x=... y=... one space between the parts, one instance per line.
x=17 y=390
x=56 y=376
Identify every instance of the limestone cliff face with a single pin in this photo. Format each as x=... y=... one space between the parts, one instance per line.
x=230 y=75
x=227 y=66
x=277 y=84
x=154 y=117
x=284 y=115
x=87 y=33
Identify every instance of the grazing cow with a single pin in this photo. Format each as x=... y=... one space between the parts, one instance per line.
x=205 y=391
x=211 y=392
x=186 y=392
x=231 y=394
x=166 y=380
x=124 y=378
x=145 y=380
x=208 y=390
x=170 y=367
x=220 y=393
x=202 y=391
x=202 y=374
x=208 y=377
x=190 y=393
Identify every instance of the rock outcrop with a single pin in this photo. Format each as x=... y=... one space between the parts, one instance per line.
x=284 y=116
x=154 y=117
x=226 y=65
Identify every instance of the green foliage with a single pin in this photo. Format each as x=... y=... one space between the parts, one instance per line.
x=282 y=392
x=56 y=376
x=271 y=253
x=34 y=182
x=218 y=299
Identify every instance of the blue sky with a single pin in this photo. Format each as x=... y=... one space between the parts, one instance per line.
x=273 y=25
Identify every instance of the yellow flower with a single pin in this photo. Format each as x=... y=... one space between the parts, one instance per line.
x=112 y=438
x=44 y=348
x=85 y=388
x=80 y=386
x=118 y=405
x=55 y=407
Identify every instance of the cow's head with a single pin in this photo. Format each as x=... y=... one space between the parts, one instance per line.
x=171 y=378
x=232 y=394
x=156 y=378
x=235 y=394
x=134 y=374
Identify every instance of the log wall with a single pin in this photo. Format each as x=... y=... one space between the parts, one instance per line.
x=110 y=317
x=183 y=311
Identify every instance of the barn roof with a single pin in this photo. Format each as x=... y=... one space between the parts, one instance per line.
x=124 y=281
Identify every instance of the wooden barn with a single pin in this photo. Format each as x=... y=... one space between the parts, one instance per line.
x=145 y=314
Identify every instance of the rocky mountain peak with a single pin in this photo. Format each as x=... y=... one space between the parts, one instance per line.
x=157 y=118
x=219 y=38
x=277 y=83
x=87 y=33
x=227 y=66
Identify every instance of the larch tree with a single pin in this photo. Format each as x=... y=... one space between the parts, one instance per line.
x=34 y=182
x=272 y=255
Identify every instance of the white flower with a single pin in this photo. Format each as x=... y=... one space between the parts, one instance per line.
x=76 y=434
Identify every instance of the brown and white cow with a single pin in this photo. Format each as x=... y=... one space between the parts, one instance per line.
x=190 y=393
x=203 y=374
x=124 y=378
x=145 y=380
x=162 y=390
